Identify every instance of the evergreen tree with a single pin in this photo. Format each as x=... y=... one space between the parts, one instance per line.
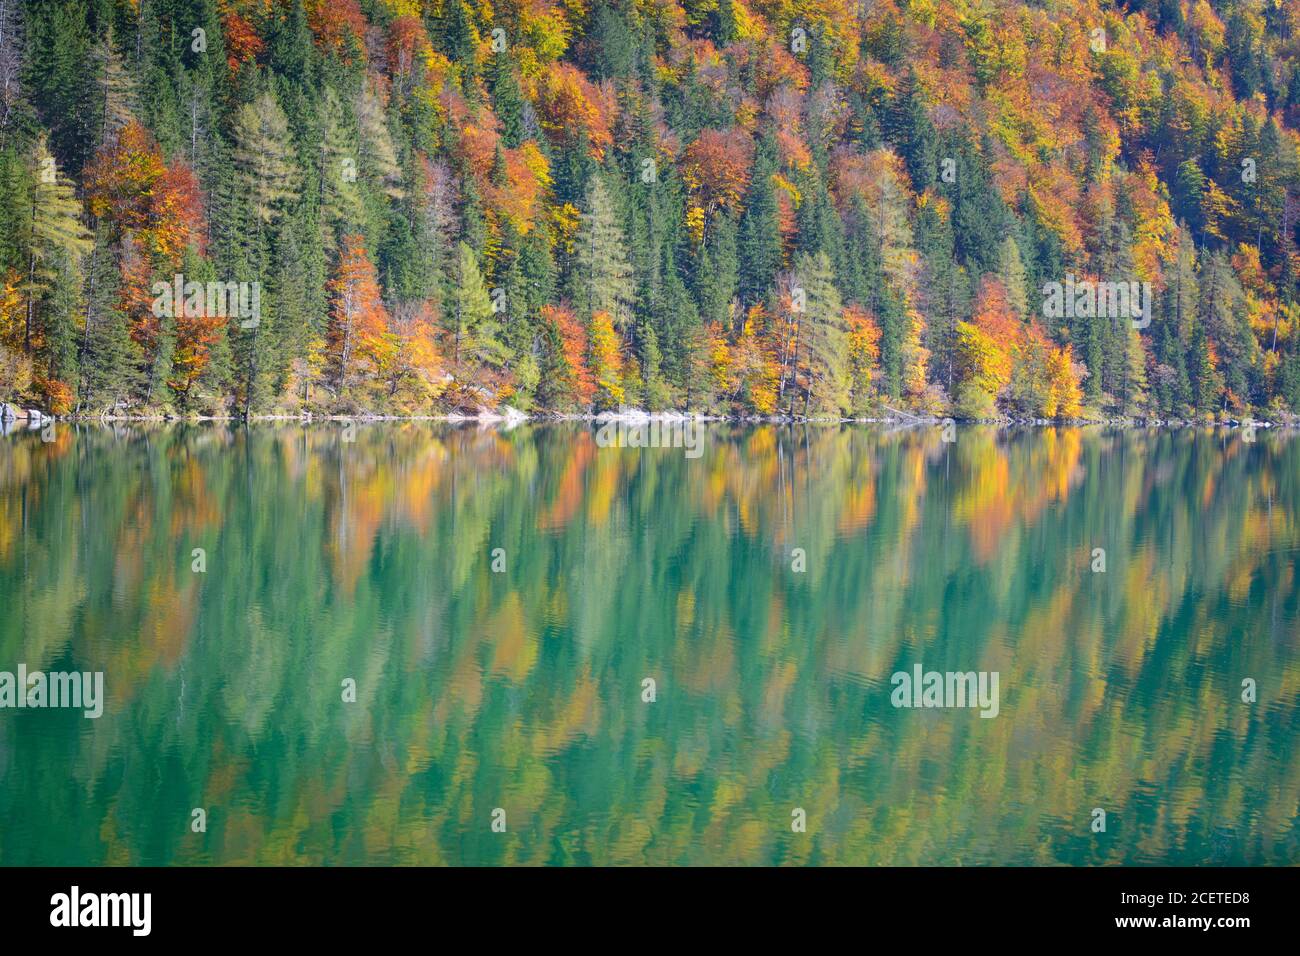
x=760 y=238
x=821 y=352
x=602 y=280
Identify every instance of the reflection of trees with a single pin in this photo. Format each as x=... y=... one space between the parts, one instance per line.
x=370 y=559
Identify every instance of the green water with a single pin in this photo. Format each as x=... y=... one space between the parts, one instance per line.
x=522 y=689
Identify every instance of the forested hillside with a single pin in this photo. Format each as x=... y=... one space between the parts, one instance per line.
x=804 y=207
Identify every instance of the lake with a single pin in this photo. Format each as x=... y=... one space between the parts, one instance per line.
x=416 y=643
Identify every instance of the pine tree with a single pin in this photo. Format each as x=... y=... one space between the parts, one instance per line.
x=907 y=126
x=339 y=197
x=821 y=353
x=603 y=279
x=719 y=274
x=507 y=100
x=760 y=237
x=107 y=356
x=1011 y=270
x=378 y=155
x=58 y=239
x=264 y=159
x=472 y=328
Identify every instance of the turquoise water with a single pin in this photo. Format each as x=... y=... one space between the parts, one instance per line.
x=523 y=690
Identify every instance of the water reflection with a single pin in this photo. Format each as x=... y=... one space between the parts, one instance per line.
x=372 y=559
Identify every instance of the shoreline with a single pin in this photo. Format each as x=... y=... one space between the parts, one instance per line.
x=513 y=418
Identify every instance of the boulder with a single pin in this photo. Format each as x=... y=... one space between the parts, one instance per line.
x=10 y=413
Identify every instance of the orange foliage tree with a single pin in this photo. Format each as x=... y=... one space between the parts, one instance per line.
x=195 y=336
x=575 y=383
x=605 y=360
x=716 y=167
x=153 y=211
x=864 y=354
x=358 y=344
x=338 y=26
x=570 y=104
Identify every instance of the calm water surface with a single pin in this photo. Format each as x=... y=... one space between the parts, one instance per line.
x=372 y=560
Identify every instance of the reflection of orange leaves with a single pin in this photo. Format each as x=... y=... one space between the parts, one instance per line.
x=1146 y=602
x=572 y=487
x=514 y=648
x=990 y=504
x=859 y=500
x=354 y=521
x=466 y=684
x=708 y=665
x=1062 y=449
x=225 y=773
x=606 y=480
x=416 y=488
x=987 y=505
x=194 y=507
x=169 y=615
x=579 y=715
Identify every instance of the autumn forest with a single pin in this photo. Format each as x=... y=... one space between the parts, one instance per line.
x=806 y=208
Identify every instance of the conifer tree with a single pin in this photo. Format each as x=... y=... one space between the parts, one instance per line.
x=602 y=276
x=57 y=237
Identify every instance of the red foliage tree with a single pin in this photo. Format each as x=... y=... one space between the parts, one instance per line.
x=242 y=42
